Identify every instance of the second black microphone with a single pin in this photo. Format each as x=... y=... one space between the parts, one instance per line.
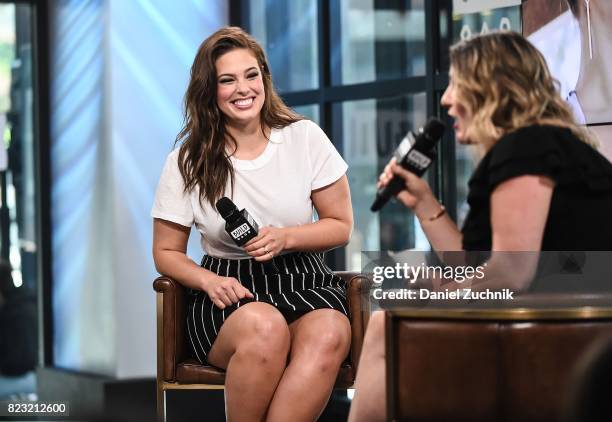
x=415 y=153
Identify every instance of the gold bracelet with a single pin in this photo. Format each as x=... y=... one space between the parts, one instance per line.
x=438 y=214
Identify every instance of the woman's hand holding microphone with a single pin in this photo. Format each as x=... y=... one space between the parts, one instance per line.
x=416 y=195
x=269 y=242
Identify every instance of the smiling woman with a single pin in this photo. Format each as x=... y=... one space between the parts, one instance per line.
x=271 y=313
x=240 y=94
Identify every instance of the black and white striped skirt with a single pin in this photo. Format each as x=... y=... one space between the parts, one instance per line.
x=294 y=283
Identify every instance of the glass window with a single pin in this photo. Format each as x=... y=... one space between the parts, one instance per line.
x=17 y=181
x=377 y=40
x=371 y=130
x=310 y=111
x=375 y=43
x=445 y=27
x=466 y=160
x=292 y=49
x=467 y=25
x=18 y=212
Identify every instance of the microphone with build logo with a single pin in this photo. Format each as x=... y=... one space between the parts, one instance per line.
x=241 y=227
x=238 y=224
x=415 y=153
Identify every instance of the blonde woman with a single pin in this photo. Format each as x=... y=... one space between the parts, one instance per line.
x=539 y=186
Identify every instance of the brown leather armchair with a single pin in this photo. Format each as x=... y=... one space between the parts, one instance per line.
x=176 y=371
x=490 y=364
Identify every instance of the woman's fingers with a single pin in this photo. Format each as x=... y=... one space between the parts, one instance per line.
x=241 y=291
x=218 y=303
x=247 y=293
x=223 y=299
x=271 y=243
x=252 y=244
x=257 y=242
x=256 y=239
x=228 y=292
x=260 y=252
x=231 y=294
x=387 y=174
x=265 y=257
x=238 y=291
x=383 y=179
x=403 y=173
x=257 y=248
x=390 y=171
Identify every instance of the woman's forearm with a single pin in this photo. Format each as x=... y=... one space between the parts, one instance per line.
x=503 y=270
x=322 y=235
x=442 y=232
x=180 y=267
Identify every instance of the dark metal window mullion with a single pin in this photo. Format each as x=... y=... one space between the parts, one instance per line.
x=442 y=179
x=329 y=34
x=434 y=177
x=239 y=14
x=355 y=92
x=42 y=135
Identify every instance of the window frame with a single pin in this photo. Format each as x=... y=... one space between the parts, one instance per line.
x=442 y=176
x=41 y=128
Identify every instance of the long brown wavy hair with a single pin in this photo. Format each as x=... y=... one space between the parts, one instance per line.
x=204 y=161
x=504 y=82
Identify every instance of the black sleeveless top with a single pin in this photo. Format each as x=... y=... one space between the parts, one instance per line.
x=580 y=215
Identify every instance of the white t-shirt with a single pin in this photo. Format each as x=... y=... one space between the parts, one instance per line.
x=275 y=188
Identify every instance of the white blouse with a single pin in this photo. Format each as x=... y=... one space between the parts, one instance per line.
x=275 y=188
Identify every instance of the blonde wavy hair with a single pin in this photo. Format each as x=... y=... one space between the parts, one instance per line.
x=504 y=83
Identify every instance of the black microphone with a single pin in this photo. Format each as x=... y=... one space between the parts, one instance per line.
x=238 y=224
x=415 y=153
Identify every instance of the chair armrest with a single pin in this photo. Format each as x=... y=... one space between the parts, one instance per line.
x=357 y=293
x=170 y=326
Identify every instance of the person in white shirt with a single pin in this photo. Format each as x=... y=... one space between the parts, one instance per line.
x=576 y=45
x=271 y=313
x=592 y=96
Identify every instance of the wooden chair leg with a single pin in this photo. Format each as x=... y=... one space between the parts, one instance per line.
x=161 y=403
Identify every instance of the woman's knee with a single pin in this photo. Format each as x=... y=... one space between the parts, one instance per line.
x=335 y=337
x=328 y=339
x=266 y=335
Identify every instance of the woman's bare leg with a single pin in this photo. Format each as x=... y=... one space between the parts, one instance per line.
x=252 y=345
x=320 y=341
x=369 y=403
